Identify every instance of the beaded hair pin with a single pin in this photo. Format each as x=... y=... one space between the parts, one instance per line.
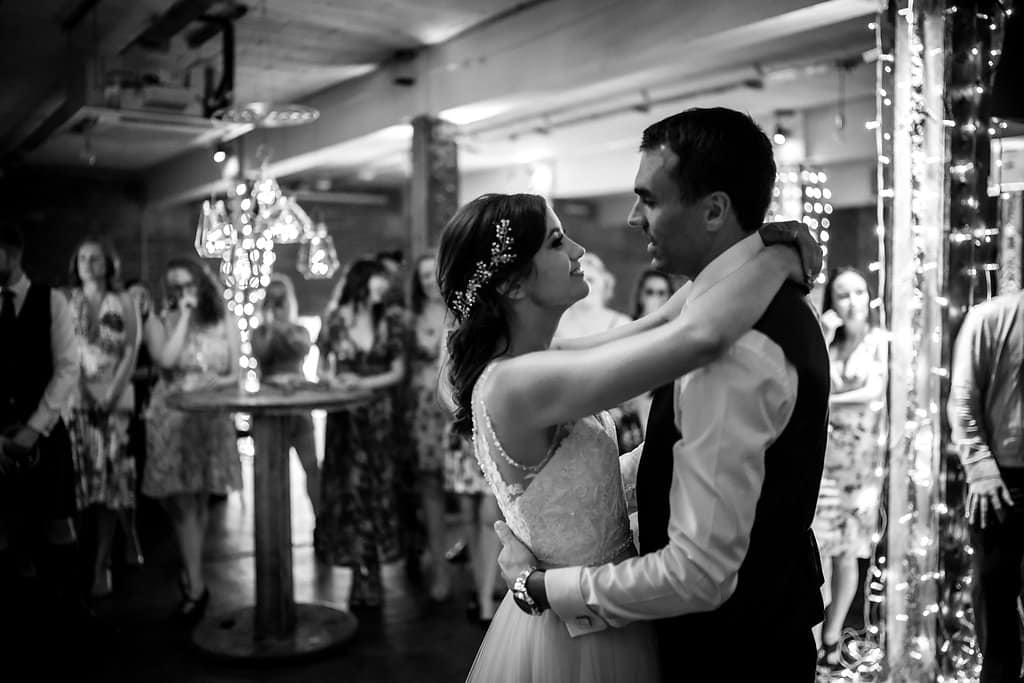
x=501 y=254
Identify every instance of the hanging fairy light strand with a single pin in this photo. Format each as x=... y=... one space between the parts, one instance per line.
x=976 y=32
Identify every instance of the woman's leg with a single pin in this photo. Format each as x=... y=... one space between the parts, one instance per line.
x=486 y=559
x=305 y=448
x=845 y=579
x=106 y=525
x=826 y=597
x=188 y=529
x=132 y=547
x=432 y=498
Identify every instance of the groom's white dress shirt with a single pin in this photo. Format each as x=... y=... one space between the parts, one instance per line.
x=728 y=413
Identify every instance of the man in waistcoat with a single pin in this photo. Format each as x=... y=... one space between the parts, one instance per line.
x=727 y=481
x=38 y=371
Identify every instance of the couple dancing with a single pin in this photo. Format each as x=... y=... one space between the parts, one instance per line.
x=726 y=584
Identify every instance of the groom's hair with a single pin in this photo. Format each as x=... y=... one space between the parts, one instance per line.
x=719 y=150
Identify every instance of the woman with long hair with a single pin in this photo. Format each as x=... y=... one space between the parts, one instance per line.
x=428 y=417
x=847 y=514
x=190 y=456
x=508 y=271
x=280 y=345
x=653 y=289
x=106 y=326
x=361 y=347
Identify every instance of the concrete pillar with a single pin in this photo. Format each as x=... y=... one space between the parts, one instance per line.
x=434 y=184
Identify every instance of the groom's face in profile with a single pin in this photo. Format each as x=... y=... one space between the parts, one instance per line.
x=676 y=230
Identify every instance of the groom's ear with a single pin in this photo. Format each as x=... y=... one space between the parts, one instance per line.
x=716 y=209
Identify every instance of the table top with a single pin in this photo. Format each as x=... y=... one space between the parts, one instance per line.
x=271 y=399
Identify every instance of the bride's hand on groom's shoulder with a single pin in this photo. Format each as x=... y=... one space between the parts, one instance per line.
x=796 y=234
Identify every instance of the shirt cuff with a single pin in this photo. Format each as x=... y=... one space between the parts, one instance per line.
x=563 y=588
x=982 y=468
x=43 y=420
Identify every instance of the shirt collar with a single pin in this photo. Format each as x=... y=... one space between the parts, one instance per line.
x=726 y=263
x=20 y=288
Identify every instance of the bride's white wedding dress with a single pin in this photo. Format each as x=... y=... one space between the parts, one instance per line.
x=569 y=511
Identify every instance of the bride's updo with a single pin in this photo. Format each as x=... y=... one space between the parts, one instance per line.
x=488 y=243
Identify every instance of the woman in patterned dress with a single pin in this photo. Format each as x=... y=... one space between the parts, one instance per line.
x=848 y=504
x=106 y=333
x=429 y=418
x=361 y=347
x=190 y=455
x=478 y=510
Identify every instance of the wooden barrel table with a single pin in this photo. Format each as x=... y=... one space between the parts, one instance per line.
x=276 y=626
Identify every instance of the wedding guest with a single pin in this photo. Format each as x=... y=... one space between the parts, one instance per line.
x=39 y=368
x=190 y=455
x=361 y=348
x=478 y=510
x=143 y=379
x=429 y=418
x=844 y=523
x=412 y=533
x=984 y=408
x=592 y=315
x=280 y=345
x=653 y=289
x=106 y=333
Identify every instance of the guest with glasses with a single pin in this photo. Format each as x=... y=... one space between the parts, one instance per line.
x=191 y=456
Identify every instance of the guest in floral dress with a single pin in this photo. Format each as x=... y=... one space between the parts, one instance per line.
x=106 y=334
x=478 y=509
x=847 y=514
x=429 y=419
x=190 y=455
x=361 y=347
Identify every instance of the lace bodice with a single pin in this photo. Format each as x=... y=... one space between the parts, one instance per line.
x=569 y=510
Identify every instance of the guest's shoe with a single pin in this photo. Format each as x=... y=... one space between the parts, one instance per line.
x=133 y=553
x=829 y=657
x=190 y=610
x=458 y=553
x=366 y=588
x=102 y=584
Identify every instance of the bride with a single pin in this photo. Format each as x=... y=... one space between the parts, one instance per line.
x=508 y=271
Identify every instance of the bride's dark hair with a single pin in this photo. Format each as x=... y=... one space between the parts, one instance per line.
x=482 y=331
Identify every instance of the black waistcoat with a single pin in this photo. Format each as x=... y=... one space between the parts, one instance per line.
x=777 y=596
x=26 y=359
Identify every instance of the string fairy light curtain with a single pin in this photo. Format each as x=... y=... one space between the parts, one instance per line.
x=974 y=275
x=940 y=250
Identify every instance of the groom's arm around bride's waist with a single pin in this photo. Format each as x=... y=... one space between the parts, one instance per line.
x=729 y=412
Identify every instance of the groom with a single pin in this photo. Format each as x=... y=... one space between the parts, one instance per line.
x=727 y=481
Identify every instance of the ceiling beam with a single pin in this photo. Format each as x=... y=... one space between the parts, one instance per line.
x=543 y=52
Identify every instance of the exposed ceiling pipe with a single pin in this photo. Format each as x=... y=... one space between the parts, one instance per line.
x=173 y=21
x=224 y=94
x=754 y=79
